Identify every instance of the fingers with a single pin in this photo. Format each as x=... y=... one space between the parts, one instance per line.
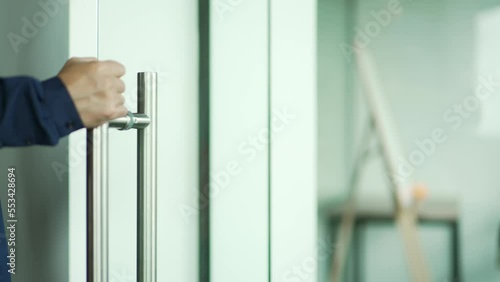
x=114 y=111
x=122 y=111
x=120 y=86
x=96 y=88
x=84 y=59
x=114 y=68
x=119 y=112
x=119 y=101
x=115 y=100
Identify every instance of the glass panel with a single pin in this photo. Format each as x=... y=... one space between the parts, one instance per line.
x=158 y=36
x=34 y=42
x=294 y=141
x=239 y=157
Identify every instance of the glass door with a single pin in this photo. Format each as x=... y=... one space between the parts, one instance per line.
x=160 y=37
x=239 y=141
x=231 y=116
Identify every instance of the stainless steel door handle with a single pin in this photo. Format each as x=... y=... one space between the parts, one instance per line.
x=131 y=120
x=97 y=186
x=147 y=180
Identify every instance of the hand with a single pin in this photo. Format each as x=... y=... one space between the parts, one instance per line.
x=96 y=89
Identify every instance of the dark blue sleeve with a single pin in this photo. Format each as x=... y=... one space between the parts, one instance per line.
x=34 y=112
x=4 y=268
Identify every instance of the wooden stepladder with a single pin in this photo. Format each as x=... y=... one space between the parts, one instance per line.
x=382 y=127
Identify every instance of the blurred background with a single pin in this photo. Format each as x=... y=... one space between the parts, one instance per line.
x=431 y=57
x=262 y=101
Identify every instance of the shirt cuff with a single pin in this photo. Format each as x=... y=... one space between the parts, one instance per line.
x=61 y=107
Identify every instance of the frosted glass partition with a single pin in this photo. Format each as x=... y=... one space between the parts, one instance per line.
x=42 y=196
x=145 y=37
x=263 y=140
x=294 y=247
x=239 y=146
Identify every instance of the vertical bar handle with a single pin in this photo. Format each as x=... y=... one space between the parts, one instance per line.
x=97 y=204
x=145 y=121
x=147 y=179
